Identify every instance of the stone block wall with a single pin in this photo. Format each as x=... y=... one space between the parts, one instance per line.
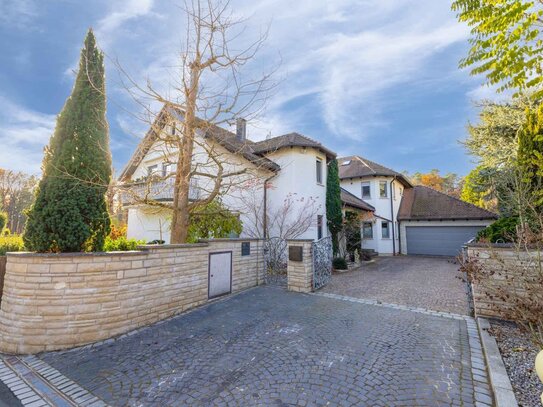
x=300 y=273
x=60 y=301
x=508 y=271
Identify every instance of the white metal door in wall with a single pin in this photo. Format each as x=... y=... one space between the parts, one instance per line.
x=220 y=274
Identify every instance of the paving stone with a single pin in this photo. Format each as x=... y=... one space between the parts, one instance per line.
x=427 y=283
x=271 y=347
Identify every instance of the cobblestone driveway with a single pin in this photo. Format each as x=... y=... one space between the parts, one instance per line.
x=267 y=346
x=427 y=282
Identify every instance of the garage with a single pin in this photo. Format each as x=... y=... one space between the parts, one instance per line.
x=436 y=224
x=438 y=240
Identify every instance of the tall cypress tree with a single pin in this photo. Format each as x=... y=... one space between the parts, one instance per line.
x=70 y=213
x=334 y=215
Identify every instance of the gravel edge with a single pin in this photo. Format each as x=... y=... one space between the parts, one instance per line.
x=499 y=380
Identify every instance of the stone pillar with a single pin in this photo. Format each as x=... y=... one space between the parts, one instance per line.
x=300 y=266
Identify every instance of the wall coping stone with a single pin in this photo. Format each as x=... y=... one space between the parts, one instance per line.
x=503 y=246
x=170 y=246
x=76 y=254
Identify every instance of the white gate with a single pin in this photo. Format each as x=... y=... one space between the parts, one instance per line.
x=220 y=274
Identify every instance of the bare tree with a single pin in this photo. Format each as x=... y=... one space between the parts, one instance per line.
x=288 y=221
x=208 y=91
x=16 y=195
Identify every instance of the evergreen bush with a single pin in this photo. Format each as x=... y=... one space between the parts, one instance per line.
x=69 y=213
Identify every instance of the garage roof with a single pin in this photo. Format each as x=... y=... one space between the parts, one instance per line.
x=424 y=203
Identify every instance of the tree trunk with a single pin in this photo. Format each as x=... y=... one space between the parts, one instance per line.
x=181 y=203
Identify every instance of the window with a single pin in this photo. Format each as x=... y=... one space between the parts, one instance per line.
x=383 y=189
x=245 y=248
x=152 y=169
x=366 y=190
x=319 y=227
x=173 y=129
x=166 y=169
x=319 y=171
x=385 y=230
x=367 y=230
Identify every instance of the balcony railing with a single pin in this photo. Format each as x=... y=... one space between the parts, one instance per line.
x=156 y=190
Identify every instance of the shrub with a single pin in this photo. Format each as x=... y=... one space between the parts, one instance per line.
x=504 y=230
x=121 y=244
x=339 y=263
x=117 y=231
x=213 y=221
x=69 y=213
x=11 y=243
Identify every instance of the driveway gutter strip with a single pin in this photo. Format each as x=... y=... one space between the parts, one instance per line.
x=499 y=379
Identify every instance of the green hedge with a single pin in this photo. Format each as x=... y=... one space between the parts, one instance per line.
x=504 y=230
x=339 y=263
x=11 y=243
x=121 y=244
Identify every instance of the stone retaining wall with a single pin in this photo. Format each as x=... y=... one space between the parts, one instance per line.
x=505 y=262
x=60 y=301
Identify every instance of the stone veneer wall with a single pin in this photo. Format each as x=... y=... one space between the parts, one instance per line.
x=300 y=273
x=60 y=301
x=505 y=260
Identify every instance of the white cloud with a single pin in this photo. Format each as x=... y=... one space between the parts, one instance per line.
x=121 y=13
x=23 y=134
x=18 y=13
x=485 y=92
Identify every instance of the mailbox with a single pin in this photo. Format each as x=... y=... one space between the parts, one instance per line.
x=295 y=253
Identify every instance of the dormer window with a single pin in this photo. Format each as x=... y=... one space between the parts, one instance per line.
x=346 y=162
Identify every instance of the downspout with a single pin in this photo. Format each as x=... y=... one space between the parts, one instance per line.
x=392 y=216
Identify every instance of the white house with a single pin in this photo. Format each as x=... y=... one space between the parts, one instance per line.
x=409 y=219
x=283 y=177
x=278 y=188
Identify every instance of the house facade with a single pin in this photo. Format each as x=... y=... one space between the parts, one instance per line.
x=277 y=187
x=383 y=189
x=275 y=182
x=409 y=219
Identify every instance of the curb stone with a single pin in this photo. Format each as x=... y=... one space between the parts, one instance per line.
x=499 y=380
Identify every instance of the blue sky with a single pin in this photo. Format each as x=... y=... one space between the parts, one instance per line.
x=378 y=78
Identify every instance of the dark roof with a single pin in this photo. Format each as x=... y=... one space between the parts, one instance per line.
x=353 y=201
x=223 y=137
x=424 y=203
x=359 y=167
x=289 y=140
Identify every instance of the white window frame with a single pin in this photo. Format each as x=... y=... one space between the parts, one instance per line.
x=365 y=184
x=364 y=224
x=383 y=228
x=318 y=170
x=152 y=170
x=386 y=189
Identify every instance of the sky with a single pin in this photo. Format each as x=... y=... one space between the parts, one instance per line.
x=377 y=78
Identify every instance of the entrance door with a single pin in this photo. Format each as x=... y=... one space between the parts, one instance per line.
x=220 y=274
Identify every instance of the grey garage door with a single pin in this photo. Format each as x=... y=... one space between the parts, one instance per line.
x=438 y=240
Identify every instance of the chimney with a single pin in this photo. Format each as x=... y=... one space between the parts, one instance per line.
x=241 y=129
